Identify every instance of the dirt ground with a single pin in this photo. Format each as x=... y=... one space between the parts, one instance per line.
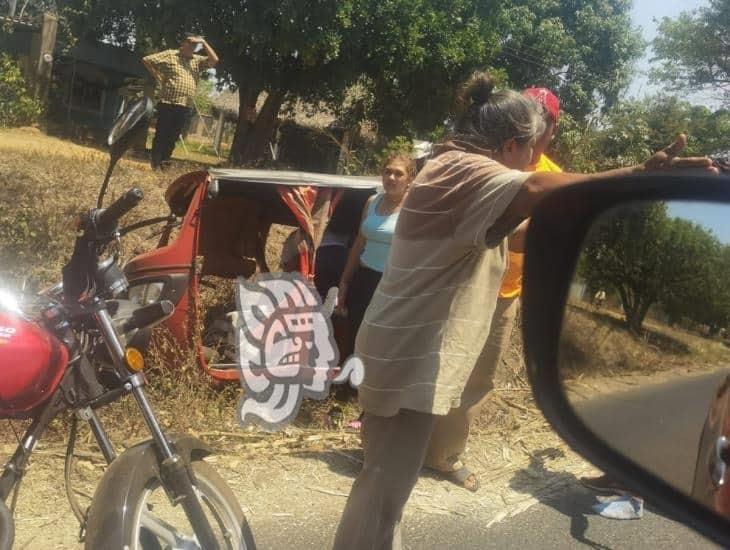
x=284 y=481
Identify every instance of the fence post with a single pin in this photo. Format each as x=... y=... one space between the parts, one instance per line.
x=219 y=133
x=41 y=56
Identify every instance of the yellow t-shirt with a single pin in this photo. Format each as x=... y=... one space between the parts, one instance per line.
x=512 y=281
x=546 y=165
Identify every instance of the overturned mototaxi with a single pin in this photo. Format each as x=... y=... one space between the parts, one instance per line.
x=219 y=224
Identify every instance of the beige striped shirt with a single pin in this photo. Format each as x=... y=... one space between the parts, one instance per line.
x=429 y=318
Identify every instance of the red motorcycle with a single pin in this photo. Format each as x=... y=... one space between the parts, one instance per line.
x=79 y=347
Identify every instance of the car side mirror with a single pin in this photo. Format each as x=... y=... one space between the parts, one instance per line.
x=626 y=312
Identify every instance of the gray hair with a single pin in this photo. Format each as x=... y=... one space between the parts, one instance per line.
x=490 y=118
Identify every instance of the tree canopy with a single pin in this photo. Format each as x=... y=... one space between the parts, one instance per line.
x=694 y=49
x=647 y=256
x=404 y=57
x=582 y=49
x=633 y=130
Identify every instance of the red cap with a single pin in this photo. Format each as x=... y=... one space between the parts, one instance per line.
x=548 y=99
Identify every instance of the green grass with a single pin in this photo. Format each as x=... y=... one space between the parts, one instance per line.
x=196 y=152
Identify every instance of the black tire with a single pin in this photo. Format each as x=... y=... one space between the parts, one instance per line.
x=222 y=508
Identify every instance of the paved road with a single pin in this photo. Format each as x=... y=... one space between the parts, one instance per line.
x=564 y=521
x=657 y=425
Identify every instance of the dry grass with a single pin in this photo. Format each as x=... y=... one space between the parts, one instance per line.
x=598 y=344
x=46 y=183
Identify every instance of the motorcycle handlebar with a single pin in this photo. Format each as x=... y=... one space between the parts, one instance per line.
x=107 y=219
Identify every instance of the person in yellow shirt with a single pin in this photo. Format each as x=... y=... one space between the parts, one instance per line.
x=450 y=433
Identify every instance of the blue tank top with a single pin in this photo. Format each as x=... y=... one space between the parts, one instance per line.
x=378 y=232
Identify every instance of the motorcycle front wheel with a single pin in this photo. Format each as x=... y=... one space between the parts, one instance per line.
x=158 y=525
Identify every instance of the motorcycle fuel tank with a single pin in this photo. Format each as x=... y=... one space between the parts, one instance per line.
x=32 y=362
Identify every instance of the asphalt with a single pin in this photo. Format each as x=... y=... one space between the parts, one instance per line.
x=563 y=521
x=658 y=425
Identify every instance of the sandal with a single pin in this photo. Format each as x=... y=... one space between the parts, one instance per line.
x=463 y=477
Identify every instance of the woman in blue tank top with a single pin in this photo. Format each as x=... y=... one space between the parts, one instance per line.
x=369 y=253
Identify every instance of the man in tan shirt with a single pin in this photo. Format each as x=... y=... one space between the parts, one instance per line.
x=177 y=72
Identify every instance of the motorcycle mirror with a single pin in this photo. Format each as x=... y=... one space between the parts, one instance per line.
x=125 y=131
x=626 y=315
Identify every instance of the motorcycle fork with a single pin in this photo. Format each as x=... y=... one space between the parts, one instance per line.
x=176 y=474
x=14 y=469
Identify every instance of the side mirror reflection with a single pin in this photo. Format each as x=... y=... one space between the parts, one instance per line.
x=645 y=349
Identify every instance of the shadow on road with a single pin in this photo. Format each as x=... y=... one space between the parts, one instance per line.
x=573 y=503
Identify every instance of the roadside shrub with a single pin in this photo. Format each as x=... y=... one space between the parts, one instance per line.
x=17 y=107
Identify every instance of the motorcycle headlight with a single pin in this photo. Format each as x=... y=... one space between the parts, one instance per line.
x=9 y=301
x=145 y=294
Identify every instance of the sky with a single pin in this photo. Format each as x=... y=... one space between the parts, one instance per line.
x=643 y=14
x=712 y=216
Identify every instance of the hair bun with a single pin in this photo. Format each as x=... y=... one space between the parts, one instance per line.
x=479 y=88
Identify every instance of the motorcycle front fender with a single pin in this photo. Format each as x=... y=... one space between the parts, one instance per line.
x=112 y=510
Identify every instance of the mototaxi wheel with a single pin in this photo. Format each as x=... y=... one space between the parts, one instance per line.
x=156 y=524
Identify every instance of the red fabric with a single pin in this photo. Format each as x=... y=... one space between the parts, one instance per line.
x=312 y=207
x=546 y=98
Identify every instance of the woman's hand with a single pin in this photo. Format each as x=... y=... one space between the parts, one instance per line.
x=341 y=309
x=667 y=159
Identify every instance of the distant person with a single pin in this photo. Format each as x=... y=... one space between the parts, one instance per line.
x=451 y=432
x=599 y=298
x=177 y=73
x=339 y=236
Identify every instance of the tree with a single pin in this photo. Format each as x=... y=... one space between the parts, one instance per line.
x=413 y=54
x=17 y=106
x=648 y=258
x=406 y=57
x=632 y=130
x=583 y=49
x=694 y=50
x=705 y=297
x=623 y=253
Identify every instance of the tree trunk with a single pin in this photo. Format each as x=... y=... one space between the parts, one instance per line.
x=247 y=98
x=252 y=142
x=635 y=309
